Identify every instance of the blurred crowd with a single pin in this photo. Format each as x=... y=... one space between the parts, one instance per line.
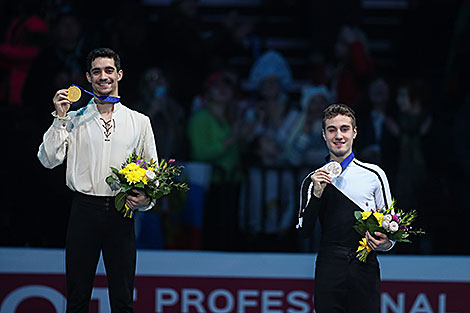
x=246 y=139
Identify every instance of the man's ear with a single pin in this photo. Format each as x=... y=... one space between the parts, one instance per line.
x=120 y=73
x=323 y=134
x=355 y=132
x=88 y=77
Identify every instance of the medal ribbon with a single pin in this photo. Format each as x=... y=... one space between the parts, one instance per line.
x=348 y=160
x=110 y=99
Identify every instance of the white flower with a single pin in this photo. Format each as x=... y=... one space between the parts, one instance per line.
x=393 y=226
x=387 y=218
x=150 y=174
x=386 y=224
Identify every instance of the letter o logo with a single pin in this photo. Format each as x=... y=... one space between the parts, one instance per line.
x=14 y=298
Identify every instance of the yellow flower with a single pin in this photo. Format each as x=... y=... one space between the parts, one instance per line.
x=365 y=215
x=379 y=217
x=134 y=173
x=363 y=245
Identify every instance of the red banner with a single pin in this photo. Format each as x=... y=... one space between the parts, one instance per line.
x=34 y=281
x=45 y=293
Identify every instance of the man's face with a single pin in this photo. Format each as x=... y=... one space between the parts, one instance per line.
x=221 y=91
x=339 y=135
x=104 y=77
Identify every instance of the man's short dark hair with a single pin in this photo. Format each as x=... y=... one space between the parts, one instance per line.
x=338 y=109
x=103 y=53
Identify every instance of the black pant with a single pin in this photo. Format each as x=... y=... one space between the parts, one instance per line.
x=95 y=226
x=343 y=284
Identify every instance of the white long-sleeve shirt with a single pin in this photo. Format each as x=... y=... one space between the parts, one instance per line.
x=91 y=146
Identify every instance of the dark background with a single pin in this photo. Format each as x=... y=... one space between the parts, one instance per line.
x=424 y=39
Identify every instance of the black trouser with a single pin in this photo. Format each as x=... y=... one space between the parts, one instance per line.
x=343 y=284
x=95 y=226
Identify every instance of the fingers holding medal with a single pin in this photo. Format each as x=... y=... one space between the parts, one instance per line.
x=73 y=94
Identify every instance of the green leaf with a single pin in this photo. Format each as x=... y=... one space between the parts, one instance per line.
x=399 y=235
x=361 y=229
x=371 y=221
x=376 y=228
x=120 y=200
x=110 y=180
x=139 y=185
x=126 y=188
x=358 y=215
x=115 y=170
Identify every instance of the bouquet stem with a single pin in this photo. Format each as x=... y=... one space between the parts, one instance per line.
x=362 y=255
x=363 y=250
x=128 y=211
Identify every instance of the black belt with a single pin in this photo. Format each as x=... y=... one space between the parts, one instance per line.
x=107 y=201
x=342 y=252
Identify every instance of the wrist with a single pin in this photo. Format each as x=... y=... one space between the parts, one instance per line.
x=59 y=116
x=317 y=192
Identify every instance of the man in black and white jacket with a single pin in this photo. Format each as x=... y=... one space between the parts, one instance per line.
x=342 y=282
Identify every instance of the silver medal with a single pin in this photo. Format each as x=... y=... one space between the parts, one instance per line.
x=334 y=169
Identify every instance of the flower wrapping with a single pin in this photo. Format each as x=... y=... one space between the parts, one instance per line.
x=155 y=180
x=393 y=222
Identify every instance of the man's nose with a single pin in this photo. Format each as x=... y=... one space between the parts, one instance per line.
x=102 y=75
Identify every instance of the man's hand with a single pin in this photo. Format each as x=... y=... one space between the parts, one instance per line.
x=380 y=244
x=61 y=103
x=320 y=178
x=138 y=200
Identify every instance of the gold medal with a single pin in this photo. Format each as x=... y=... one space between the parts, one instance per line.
x=74 y=94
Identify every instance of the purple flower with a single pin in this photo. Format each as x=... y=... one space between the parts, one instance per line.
x=171 y=160
x=141 y=163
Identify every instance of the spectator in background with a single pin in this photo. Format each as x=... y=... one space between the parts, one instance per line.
x=354 y=66
x=214 y=139
x=26 y=32
x=305 y=145
x=412 y=128
x=377 y=143
x=167 y=116
x=413 y=124
x=272 y=113
x=153 y=227
x=267 y=199
x=24 y=38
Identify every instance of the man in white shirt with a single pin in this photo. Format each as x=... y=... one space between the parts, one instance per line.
x=93 y=139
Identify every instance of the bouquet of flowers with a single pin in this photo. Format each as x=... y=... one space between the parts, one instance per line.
x=156 y=180
x=395 y=223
